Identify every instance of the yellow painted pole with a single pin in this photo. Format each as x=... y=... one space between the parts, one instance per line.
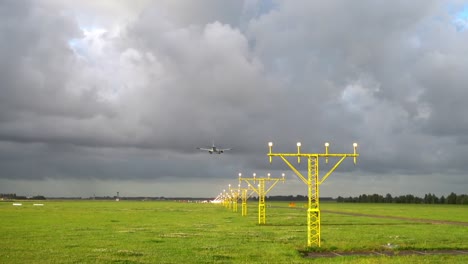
x=261 y=202
x=244 y=202
x=234 y=197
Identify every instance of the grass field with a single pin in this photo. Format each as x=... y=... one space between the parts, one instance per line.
x=173 y=232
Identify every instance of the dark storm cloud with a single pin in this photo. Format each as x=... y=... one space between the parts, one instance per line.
x=118 y=91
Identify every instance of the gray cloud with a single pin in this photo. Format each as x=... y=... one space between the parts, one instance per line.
x=116 y=92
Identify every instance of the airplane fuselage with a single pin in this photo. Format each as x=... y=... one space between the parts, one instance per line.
x=214 y=150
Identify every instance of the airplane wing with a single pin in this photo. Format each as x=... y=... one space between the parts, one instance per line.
x=205 y=149
x=225 y=149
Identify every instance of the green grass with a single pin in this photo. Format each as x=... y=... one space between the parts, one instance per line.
x=172 y=232
x=425 y=211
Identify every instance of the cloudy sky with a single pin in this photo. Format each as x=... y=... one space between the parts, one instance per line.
x=99 y=97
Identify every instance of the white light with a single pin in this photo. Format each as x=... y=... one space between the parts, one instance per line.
x=268 y=175
x=282 y=174
x=327 y=144
x=298 y=144
x=354 y=144
x=255 y=174
x=270 y=144
x=240 y=174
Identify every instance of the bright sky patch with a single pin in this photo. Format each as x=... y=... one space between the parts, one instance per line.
x=461 y=19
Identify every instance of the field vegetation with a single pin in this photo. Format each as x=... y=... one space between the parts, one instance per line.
x=176 y=232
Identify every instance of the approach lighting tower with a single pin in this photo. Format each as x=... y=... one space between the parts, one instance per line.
x=226 y=199
x=218 y=199
x=235 y=193
x=261 y=192
x=244 y=195
x=313 y=182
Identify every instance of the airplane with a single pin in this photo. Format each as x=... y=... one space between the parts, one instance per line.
x=214 y=149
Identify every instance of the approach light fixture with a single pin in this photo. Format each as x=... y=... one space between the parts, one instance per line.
x=298 y=152
x=326 y=151
x=270 y=145
x=355 y=147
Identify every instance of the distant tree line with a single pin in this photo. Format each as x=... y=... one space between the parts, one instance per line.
x=285 y=198
x=429 y=198
x=290 y=198
x=13 y=196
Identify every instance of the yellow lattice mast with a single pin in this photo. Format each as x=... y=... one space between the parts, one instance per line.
x=235 y=194
x=261 y=192
x=313 y=182
x=226 y=199
x=219 y=198
x=244 y=195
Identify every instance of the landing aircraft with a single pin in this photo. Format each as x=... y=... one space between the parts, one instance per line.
x=214 y=149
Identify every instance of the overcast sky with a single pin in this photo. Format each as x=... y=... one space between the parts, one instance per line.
x=100 y=97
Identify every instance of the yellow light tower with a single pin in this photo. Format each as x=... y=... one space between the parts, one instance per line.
x=218 y=198
x=235 y=193
x=244 y=195
x=313 y=182
x=260 y=190
x=226 y=200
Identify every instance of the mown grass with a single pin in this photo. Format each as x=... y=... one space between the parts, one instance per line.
x=172 y=232
x=425 y=211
